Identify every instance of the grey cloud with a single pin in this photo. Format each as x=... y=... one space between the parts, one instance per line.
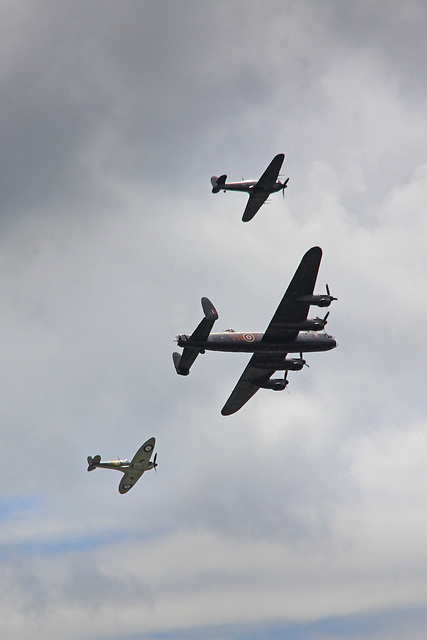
x=114 y=118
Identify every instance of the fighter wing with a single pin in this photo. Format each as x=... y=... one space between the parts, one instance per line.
x=143 y=455
x=129 y=479
x=138 y=465
x=270 y=175
x=247 y=386
x=290 y=310
x=255 y=202
x=262 y=189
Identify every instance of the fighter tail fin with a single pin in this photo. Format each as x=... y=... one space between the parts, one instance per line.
x=218 y=183
x=93 y=462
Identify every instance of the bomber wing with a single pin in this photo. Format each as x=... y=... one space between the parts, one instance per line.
x=262 y=189
x=290 y=311
x=247 y=386
x=138 y=465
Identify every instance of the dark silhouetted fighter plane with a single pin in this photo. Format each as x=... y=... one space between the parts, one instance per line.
x=258 y=191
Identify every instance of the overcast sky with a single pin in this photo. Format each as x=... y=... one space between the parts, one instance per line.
x=304 y=515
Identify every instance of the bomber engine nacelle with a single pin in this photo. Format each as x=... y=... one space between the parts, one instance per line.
x=293 y=364
x=322 y=300
x=281 y=364
x=310 y=324
x=276 y=384
x=315 y=324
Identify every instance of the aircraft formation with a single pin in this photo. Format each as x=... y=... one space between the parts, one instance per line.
x=290 y=331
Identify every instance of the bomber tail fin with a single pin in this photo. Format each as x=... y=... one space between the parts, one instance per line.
x=180 y=368
x=218 y=183
x=183 y=362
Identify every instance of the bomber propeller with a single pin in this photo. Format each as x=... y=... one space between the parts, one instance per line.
x=305 y=363
x=329 y=293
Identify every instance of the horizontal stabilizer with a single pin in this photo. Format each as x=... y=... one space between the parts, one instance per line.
x=200 y=335
x=218 y=183
x=93 y=462
x=203 y=329
x=182 y=371
x=184 y=362
x=209 y=310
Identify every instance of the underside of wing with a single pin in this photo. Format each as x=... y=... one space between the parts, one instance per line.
x=129 y=479
x=255 y=202
x=249 y=383
x=139 y=463
x=270 y=175
x=143 y=455
x=290 y=310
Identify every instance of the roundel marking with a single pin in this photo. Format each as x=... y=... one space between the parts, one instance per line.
x=148 y=447
x=248 y=337
x=127 y=487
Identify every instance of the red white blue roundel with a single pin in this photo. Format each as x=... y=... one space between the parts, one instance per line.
x=148 y=448
x=248 y=337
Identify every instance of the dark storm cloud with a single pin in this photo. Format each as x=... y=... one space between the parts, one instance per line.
x=50 y=110
x=117 y=88
x=395 y=35
x=129 y=90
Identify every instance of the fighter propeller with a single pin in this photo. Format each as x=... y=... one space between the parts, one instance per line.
x=285 y=184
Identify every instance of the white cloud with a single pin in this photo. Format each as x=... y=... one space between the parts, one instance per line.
x=304 y=506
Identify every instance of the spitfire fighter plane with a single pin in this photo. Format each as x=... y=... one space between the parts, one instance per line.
x=258 y=191
x=132 y=469
x=290 y=331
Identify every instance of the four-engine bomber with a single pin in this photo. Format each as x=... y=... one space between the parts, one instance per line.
x=290 y=331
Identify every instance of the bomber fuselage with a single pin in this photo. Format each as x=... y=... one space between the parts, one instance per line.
x=305 y=342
